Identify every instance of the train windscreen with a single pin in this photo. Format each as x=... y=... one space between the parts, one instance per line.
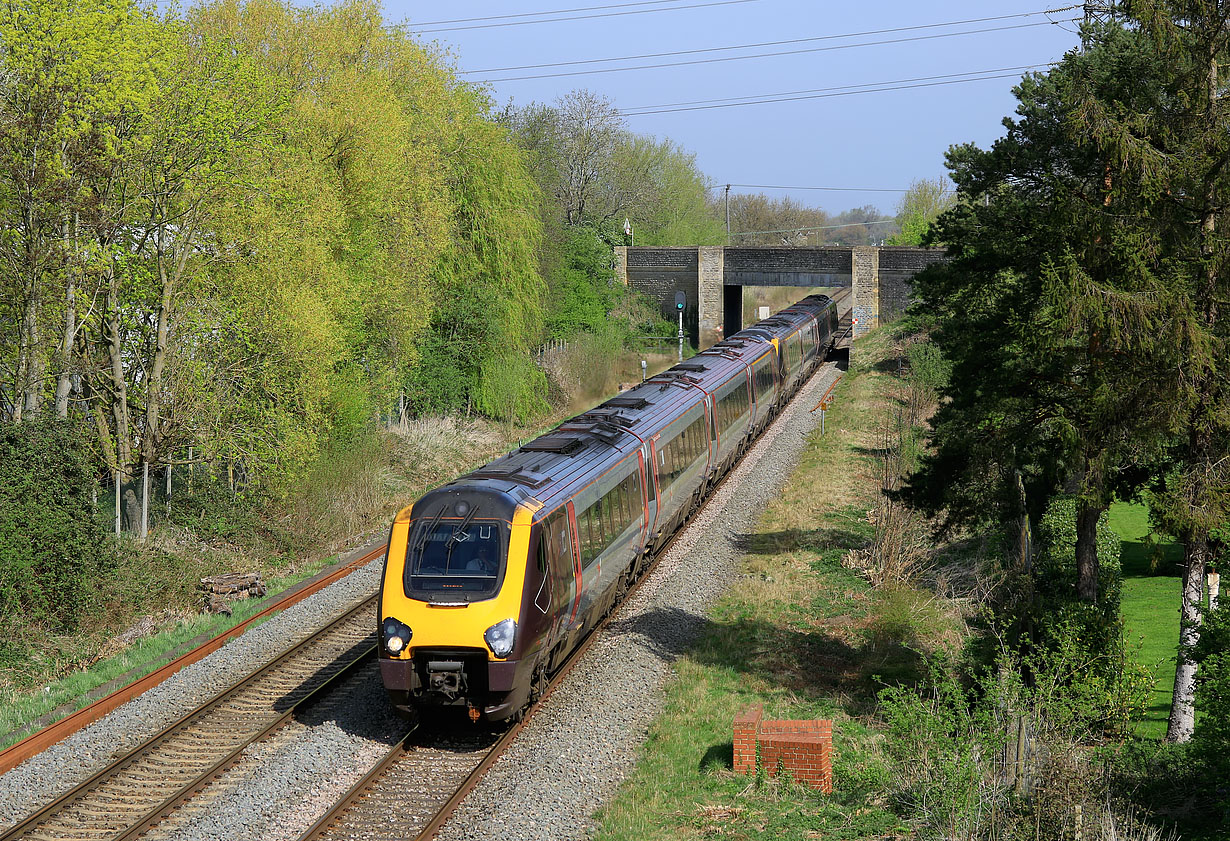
x=463 y=559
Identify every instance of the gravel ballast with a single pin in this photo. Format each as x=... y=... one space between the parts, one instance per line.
x=42 y=778
x=567 y=762
x=583 y=742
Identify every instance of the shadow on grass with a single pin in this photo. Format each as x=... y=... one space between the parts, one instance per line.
x=792 y=540
x=721 y=755
x=891 y=365
x=1146 y=559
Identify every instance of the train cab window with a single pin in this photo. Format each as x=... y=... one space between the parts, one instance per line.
x=455 y=557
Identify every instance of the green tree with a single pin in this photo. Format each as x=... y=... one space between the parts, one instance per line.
x=1053 y=325
x=70 y=77
x=1166 y=163
x=922 y=203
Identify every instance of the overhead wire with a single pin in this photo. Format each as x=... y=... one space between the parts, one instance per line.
x=771 y=54
x=548 y=12
x=837 y=93
x=862 y=34
x=762 y=96
x=413 y=28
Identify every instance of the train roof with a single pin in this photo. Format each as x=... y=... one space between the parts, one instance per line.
x=554 y=466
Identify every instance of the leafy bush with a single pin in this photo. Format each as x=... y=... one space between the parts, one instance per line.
x=942 y=742
x=1106 y=687
x=1211 y=741
x=52 y=544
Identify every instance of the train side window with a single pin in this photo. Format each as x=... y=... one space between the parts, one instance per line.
x=620 y=507
x=651 y=490
x=587 y=541
x=595 y=535
x=583 y=536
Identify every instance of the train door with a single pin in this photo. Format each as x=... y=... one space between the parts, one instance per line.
x=657 y=458
x=649 y=499
x=570 y=570
x=711 y=418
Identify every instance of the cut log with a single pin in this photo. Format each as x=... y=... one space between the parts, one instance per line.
x=218 y=590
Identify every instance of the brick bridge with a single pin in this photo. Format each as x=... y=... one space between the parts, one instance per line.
x=713 y=278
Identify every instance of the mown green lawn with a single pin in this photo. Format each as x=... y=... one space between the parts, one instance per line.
x=1151 y=587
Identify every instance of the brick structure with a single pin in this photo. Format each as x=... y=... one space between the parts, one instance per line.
x=803 y=749
x=747 y=725
x=713 y=278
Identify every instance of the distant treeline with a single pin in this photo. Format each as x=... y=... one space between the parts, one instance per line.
x=249 y=228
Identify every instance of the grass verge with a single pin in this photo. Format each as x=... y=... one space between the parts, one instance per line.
x=1150 y=606
x=802 y=634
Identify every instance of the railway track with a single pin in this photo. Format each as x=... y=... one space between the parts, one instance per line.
x=409 y=794
x=144 y=785
x=418 y=784
x=57 y=731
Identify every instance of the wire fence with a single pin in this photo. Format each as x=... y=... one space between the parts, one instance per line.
x=137 y=504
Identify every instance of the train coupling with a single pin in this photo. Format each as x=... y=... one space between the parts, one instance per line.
x=474 y=712
x=446 y=677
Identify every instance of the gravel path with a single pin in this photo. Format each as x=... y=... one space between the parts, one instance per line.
x=567 y=762
x=583 y=742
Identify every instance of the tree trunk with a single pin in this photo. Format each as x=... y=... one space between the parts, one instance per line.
x=1214 y=588
x=1087 y=568
x=143 y=532
x=1183 y=704
x=64 y=384
x=119 y=385
x=1025 y=543
x=29 y=361
x=132 y=509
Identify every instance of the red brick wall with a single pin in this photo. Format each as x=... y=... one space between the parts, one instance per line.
x=747 y=725
x=803 y=749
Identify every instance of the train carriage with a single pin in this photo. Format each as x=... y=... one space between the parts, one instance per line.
x=492 y=579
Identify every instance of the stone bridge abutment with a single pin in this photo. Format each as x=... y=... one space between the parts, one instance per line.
x=713 y=278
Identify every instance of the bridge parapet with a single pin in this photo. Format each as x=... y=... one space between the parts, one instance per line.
x=713 y=278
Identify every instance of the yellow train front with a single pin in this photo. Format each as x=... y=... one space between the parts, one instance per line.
x=452 y=624
x=493 y=579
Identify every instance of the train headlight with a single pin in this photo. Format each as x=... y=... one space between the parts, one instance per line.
x=396 y=635
x=501 y=637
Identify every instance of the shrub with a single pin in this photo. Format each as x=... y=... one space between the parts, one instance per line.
x=1106 y=690
x=52 y=544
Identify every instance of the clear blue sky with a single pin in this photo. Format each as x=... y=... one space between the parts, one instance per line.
x=869 y=140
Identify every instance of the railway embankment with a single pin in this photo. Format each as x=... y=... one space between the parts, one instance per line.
x=569 y=761
x=803 y=630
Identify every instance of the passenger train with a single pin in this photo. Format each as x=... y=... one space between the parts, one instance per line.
x=491 y=580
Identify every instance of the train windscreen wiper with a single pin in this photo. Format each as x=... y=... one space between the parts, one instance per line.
x=457 y=536
x=427 y=530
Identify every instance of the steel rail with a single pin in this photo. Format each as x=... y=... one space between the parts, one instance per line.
x=190 y=790
x=39 y=741
x=122 y=763
x=355 y=795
